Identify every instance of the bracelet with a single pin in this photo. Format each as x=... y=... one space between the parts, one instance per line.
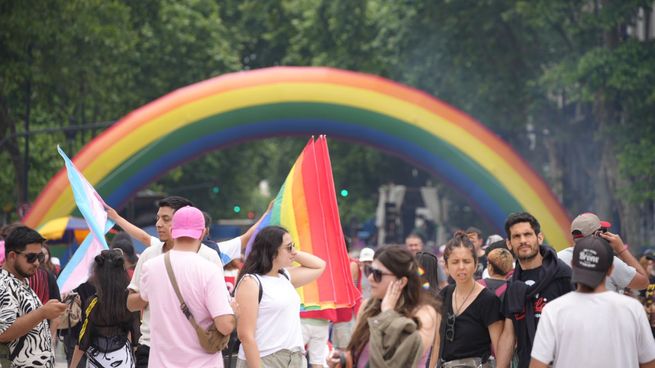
x=625 y=247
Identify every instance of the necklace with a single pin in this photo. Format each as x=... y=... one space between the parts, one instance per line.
x=458 y=309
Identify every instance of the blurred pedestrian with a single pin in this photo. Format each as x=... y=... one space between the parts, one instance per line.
x=123 y=241
x=429 y=271
x=475 y=235
x=627 y=271
x=499 y=266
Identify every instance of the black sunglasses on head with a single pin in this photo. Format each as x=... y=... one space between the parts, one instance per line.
x=32 y=257
x=377 y=274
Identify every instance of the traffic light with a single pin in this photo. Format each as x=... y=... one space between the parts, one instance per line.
x=344 y=193
x=216 y=189
x=251 y=215
x=236 y=209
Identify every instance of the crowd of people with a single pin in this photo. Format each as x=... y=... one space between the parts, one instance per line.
x=507 y=302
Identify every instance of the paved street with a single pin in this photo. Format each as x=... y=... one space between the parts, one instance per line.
x=60 y=356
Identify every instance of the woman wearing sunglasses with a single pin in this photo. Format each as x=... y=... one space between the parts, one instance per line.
x=471 y=320
x=268 y=306
x=108 y=326
x=399 y=311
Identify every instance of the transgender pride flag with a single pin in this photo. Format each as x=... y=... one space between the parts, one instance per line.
x=91 y=206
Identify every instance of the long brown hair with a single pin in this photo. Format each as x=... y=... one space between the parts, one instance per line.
x=402 y=264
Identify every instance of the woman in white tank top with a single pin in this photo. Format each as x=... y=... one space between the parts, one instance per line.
x=268 y=321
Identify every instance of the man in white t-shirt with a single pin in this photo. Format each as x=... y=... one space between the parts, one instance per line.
x=158 y=246
x=626 y=272
x=593 y=327
x=203 y=291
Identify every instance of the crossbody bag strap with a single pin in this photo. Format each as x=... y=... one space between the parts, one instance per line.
x=171 y=277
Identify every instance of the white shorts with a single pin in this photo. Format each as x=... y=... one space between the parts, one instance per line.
x=315 y=337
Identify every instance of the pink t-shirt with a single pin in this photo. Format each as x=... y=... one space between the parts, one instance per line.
x=173 y=341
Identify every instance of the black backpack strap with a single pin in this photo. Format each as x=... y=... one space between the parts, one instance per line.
x=261 y=289
x=259 y=282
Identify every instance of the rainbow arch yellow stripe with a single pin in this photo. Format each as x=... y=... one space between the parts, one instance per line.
x=309 y=101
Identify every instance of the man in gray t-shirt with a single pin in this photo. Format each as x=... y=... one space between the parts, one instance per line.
x=627 y=272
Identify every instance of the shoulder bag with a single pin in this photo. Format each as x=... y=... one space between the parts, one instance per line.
x=211 y=340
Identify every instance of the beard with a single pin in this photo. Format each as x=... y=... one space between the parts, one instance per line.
x=530 y=256
x=23 y=272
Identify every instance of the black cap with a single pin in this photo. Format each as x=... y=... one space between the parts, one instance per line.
x=592 y=258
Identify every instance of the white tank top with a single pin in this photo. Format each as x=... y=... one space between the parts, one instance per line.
x=278 y=321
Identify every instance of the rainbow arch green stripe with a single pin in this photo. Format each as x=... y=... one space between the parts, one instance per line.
x=307 y=101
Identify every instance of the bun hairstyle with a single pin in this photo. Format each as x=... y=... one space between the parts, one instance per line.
x=459 y=240
x=110 y=259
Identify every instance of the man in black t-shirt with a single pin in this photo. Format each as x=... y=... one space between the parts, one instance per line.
x=539 y=277
x=475 y=235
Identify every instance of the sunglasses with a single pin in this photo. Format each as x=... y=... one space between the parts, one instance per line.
x=377 y=274
x=290 y=247
x=450 y=326
x=32 y=257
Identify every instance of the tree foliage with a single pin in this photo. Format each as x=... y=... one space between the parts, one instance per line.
x=569 y=84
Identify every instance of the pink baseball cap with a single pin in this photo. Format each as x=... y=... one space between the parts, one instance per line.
x=188 y=221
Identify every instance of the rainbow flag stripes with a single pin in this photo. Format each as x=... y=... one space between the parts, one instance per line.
x=306 y=206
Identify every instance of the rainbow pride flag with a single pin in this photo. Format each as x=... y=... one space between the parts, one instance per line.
x=91 y=206
x=306 y=206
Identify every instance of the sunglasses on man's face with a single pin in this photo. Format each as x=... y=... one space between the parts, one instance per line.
x=33 y=257
x=377 y=274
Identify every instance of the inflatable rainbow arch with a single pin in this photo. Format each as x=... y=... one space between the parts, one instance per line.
x=306 y=101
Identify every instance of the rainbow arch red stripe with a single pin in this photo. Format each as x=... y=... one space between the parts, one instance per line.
x=310 y=101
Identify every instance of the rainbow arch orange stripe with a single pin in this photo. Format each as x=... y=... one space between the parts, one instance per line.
x=309 y=101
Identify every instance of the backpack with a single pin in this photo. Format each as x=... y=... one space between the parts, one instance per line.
x=499 y=291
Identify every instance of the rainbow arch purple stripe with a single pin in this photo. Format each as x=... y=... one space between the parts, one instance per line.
x=307 y=101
